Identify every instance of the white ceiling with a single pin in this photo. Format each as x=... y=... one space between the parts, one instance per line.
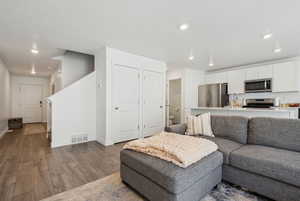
x=230 y=31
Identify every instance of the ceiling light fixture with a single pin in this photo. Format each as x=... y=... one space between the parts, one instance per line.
x=33 y=72
x=34 y=51
x=211 y=62
x=277 y=48
x=184 y=27
x=191 y=57
x=267 y=36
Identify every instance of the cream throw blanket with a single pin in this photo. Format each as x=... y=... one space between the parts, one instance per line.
x=181 y=150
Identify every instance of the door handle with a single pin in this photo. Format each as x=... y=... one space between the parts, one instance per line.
x=116 y=108
x=161 y=106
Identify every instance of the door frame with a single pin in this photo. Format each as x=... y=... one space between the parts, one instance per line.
x=168 y=100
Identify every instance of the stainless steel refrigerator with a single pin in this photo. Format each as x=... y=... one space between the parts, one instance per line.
x=213 y=95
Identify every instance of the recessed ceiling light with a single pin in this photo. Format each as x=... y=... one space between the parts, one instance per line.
x=267 y=36
x=211 y=61
x=277 y=50
x=191 y=57
x=33 y=72
x=184 y=27
x=34 y=51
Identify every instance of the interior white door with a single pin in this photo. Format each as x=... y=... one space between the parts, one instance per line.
x=125 y=98
x=31 y=103
x=153 y=103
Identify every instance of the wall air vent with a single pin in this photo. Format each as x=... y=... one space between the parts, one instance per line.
x=77 y=139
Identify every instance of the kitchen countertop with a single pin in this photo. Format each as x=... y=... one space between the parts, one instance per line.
x=248 y=109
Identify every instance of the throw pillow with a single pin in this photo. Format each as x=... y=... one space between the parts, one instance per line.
x=199 y=125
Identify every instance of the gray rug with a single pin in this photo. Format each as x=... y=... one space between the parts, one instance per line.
x=226 y=192
x=111 y=188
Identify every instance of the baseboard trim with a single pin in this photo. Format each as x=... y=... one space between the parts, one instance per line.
x=2 y=133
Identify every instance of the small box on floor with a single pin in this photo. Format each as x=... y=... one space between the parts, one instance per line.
x=15 y=123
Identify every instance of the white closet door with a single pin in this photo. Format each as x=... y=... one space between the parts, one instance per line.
x=153 y=105
x=125 y=111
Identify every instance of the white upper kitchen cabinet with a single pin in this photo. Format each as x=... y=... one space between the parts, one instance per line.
x=216 y=77
x=236 y=79
x=265 y=72
x=286 y=77
x=252 y=73
x=260 y=72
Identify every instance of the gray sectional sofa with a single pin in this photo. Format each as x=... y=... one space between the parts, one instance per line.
x=260 y=154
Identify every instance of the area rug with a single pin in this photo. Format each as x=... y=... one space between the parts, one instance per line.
x=32 y=129
x=111 y=188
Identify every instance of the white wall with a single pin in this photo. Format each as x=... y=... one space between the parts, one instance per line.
x=73 y=67
x=191 y=79
x=4 y=97
x=56 y=81
x=104 y=58
x=74 y=111
x=101 y=97
x=16 y=82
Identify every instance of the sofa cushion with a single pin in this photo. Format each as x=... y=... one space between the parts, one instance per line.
x=178 y=128
x=230 y=127
x=225 y=146
x=279 y=164
x=280 y=133
x=167 y=175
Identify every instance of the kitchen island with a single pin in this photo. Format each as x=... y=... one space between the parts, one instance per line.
x=288 y=113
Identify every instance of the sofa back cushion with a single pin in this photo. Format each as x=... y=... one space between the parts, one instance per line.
x=179 y=129
x=279 y=133
x=230 y=127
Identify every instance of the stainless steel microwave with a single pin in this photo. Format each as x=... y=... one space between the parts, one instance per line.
x=256 y=86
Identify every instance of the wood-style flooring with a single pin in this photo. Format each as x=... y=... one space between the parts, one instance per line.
x=30 y=170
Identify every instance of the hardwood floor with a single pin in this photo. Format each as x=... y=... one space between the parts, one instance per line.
x=30 y=170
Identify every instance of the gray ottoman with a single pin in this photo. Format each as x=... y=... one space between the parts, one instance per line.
x=159 y=180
